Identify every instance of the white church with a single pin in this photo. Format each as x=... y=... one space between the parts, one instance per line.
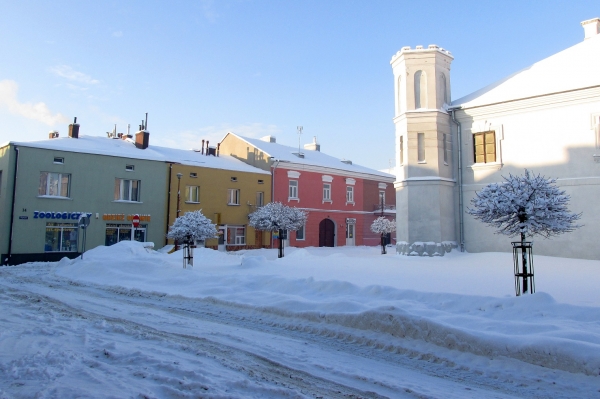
x=544 y=118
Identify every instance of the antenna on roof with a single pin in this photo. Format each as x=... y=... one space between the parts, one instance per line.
x=300 y=128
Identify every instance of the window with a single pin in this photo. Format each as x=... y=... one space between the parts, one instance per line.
x=484 y=147
x=260 y=181
x=192 y=194
x=401 y=150
x=193 y=175
x=59 y=160
x=0 y=183
x=326 y=192
x=233 y=196
x=381 y=198
x=260 y=198
x=233 y=178
x=445 y=146
x=54 y=184
x=421 y=146
x=127 y=190
x=293 y=189
x=300 y=233
x=129 y=168
x=61 y=237
x=124 y=232
x=236 y=235
x=350 y=194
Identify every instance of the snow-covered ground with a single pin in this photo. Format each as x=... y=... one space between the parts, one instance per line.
x=129 y=322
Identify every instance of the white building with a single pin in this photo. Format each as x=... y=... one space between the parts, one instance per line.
x=544 y=118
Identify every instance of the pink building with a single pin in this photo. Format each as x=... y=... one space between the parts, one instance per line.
x=342 y=199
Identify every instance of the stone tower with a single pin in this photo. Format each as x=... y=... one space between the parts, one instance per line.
x=425 y=212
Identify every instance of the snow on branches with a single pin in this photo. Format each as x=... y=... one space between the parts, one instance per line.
x=525 y=205
x=382 y=225
x=192 y=226
x=275 y=216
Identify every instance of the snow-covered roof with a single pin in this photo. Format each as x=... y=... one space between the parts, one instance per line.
x=286 y=153
x=574 y=68
x=127 y=149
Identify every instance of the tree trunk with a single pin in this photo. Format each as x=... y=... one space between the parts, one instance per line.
x=382 y=245
x=280 y=255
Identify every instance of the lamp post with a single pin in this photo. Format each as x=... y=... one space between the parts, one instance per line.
x=179 y=175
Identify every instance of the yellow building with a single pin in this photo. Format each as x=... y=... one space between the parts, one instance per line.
x=226 y=190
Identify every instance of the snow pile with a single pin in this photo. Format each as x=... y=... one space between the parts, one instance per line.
x=462 y=302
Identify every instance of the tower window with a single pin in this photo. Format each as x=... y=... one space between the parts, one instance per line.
x=421 y=147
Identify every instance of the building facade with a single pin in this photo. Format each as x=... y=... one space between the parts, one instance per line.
x=47 y=186
x=342 y=199
x=544 y=118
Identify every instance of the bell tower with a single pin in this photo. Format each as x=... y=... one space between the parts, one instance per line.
x=425 y=212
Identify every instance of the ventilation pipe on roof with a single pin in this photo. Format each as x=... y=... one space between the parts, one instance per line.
x=53 y=134
x=591 y=27
x=202 y=147
x=314 y=146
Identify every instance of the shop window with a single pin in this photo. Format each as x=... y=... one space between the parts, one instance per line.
x=236 y=235
x=192 y=194
x=54 y=184
x=127 y=190
x=233 y=196
x=300 y=233
x=61 y=237
x=124 y=232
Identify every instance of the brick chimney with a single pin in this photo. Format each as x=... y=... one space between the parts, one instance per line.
x=53 y=134
x=74 y=129
x=591 y=27
x=142 y=139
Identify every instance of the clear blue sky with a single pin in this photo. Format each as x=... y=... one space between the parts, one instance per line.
x=202 y=68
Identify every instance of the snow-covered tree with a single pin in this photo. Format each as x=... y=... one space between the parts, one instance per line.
x=383 y=226
x=191 y=227
x=277 y=217
x=525 y=205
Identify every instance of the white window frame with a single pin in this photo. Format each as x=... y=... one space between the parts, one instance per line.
x=236 y=239
x=233 y=196
x=44 y=189
x=293 y=190
x=421 y=155
x=350 y=195
x=189 y=194
x=326 y=192
x=499 y=132
x=125 y=194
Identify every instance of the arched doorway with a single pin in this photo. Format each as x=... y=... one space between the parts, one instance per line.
x=326 y=233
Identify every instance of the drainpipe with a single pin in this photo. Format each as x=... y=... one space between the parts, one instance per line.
x=273 y=167
x=12 y=211
x=169 y=202
x=460 y=183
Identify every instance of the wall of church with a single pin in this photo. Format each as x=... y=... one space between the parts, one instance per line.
x=554 y=136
